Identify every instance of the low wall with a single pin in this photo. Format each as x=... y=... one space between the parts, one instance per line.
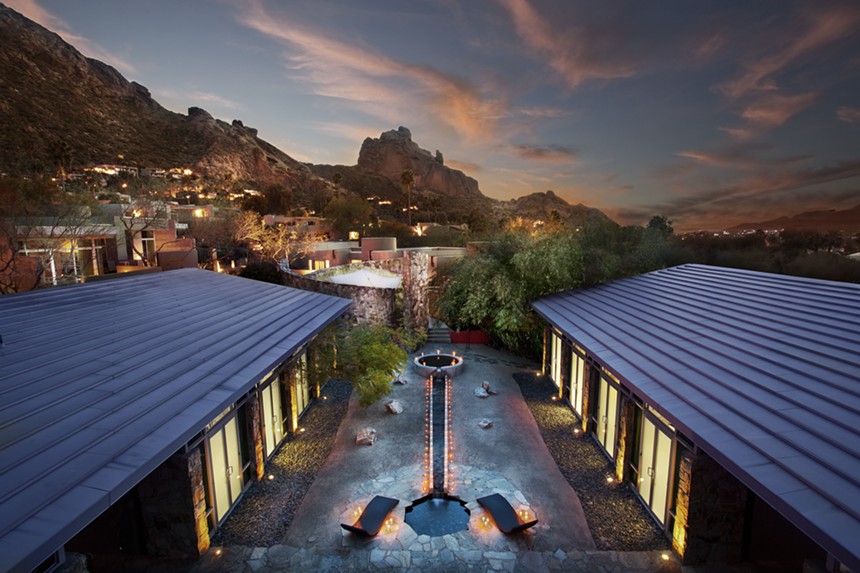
x=369 y=305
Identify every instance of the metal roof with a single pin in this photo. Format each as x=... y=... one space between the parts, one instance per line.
x=761 y=371
x=100 y=383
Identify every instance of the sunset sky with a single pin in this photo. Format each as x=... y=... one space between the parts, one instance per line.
x=709 y=112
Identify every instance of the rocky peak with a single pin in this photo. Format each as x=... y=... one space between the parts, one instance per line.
x=394 y=151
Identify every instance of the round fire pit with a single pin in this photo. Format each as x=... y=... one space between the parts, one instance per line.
x=427 y=364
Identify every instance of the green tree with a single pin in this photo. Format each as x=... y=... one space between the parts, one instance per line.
x=347 y=213
x=662 y=225
x=407 y=181
x=337 y=178
x=493 y=290
x=369 y=358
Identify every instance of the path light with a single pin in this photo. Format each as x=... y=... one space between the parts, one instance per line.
x=218 y=552
x=610 y=479
x=664 y=556
x=271 y=476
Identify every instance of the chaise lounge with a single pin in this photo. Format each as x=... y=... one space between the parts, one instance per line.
x=371 y=519
x=503 y=514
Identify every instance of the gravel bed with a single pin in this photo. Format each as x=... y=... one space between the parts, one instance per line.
x=268 y=507
x=617 y=519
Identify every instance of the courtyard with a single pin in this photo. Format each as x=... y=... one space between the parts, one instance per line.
x=290 y=521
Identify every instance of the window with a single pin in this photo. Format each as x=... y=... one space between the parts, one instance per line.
x=555 y=360
x=606 y=416
x=577 y=381
x=655 y=467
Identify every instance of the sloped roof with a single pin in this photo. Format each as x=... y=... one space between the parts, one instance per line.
x=762 y=371
x=102 y=382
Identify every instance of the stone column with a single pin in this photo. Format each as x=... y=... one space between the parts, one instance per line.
x=586 y=395
x=254 y=431
x=709 y=512
x=547 y=339
x=626 y=431
x=173 y=507
x=564 y=371
x=415 y=272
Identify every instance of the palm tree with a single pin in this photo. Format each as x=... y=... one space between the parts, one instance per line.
x=407 y=181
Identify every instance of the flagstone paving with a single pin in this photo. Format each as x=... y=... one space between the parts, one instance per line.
x=509 y=458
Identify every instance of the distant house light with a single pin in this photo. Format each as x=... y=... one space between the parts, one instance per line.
x=353 y=235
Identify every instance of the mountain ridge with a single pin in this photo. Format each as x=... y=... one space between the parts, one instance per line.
x=847 y=220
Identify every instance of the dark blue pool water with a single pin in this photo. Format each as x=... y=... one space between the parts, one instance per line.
x=435 y=516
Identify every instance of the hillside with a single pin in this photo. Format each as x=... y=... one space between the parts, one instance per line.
x=382 y=160
x=847 y=220
x=61 y=108
x=543 y=205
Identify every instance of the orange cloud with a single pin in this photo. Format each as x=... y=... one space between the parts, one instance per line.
x=848 y=114
x=546 y=153
x=375 y=83
x=570 y=52
x=819 y=27
x=774 y=110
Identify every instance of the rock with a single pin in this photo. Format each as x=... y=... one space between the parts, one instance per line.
x=439 y=159
x=394 y=406
x=365 y=437
x=401 y=380
x=486 y=386
x=481 y=392
x=486 y=423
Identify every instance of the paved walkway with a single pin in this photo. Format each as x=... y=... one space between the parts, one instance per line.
x=509 y=458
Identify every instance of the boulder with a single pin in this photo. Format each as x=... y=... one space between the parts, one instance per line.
x=365 y=437
x=394 y=406
x=481 y=392
x=485 y=423
x=486 y=386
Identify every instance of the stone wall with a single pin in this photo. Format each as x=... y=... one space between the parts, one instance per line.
x=369 y=305
x=253 y=425
x=586 y=395
x=626 y=431
x=173 y=507
x=416 y=280
x=710 y=509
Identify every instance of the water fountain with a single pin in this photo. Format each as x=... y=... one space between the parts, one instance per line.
x=438 y=512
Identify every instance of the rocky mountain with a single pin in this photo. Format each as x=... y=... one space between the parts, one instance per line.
x=847 y=220
x=382 y=160
x=543 y=205
x=60 y=108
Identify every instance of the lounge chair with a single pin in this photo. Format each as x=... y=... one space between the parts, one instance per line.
x=371 y=519
x=503 y=514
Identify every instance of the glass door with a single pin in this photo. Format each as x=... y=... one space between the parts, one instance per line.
x=226 y=465
x=655 y=454
x=577 y=378
x=607 y=416
x=274 y=429
x=299 y=390
x=555 y=365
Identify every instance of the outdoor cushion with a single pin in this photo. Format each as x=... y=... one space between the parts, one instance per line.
x=371 y=519
x=503 y=514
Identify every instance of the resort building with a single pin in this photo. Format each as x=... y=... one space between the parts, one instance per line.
x=135 y=412
x=729 y=400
